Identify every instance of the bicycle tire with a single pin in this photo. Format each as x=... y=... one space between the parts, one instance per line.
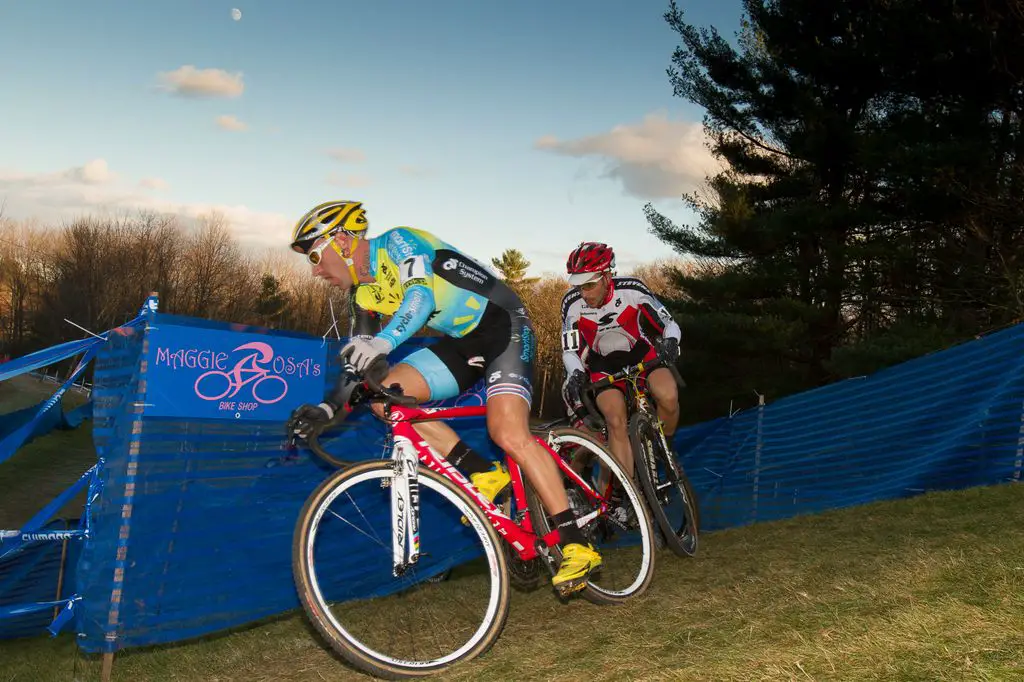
x=639 y=425
x=356 y=655
x=592 y=592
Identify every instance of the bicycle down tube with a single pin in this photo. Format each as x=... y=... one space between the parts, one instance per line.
x=408 y=444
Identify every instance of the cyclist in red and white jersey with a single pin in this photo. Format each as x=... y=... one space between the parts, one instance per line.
x=609 y=323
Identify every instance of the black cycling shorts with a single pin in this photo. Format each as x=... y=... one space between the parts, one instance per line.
x=501 y=348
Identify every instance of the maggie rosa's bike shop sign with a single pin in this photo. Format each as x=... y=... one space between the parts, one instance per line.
x=223 y=374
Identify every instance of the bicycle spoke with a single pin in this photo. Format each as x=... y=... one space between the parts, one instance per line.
x=378 y=621
x=666 y=487
x=373 y=537
x=627 y=550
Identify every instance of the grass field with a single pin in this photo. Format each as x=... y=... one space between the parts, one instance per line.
x=929 y=588
x=45 y=467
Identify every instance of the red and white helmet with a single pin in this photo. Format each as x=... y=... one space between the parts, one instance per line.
x=588 y=261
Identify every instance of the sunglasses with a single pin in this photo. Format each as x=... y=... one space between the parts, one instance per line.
x=590 y=286
x=314 y=255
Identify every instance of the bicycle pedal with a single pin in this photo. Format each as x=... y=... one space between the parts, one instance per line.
x=571 y=587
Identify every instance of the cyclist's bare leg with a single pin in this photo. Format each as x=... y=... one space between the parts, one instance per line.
x=666 y=397
x=439 y=435
x=508 y=422
x=612 y=404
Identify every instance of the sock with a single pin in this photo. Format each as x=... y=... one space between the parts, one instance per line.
x=567 y=528
x=463 y=457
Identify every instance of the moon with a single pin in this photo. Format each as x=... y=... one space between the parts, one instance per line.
x=236 y=14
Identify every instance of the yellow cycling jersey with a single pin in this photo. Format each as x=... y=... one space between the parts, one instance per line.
x=422 y=280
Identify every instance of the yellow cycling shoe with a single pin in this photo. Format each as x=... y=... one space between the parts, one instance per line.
x=490 y=483
x=577 y=563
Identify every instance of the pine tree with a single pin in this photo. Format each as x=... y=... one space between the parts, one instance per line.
x=513 y=266
x=271 y=301
x=851 y=135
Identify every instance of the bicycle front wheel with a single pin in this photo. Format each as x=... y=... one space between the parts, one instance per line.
x=412 y=625
x=666 y=487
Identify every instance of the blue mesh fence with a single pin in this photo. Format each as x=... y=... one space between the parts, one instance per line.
x=192 y=530
x=31 y=579
x=949 y=420
x=198 y=497
x=33 y=585
x=117 y=374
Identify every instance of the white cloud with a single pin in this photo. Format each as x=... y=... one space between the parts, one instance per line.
x=232 y=123
x=653 y=159
x=347 y=155
x=348 y=180
x=92 y=173
x=92 y=189
x=188 y=81
x=95 y=172
x=154 y=183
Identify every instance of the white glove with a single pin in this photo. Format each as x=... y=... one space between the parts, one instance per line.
x=361 y=351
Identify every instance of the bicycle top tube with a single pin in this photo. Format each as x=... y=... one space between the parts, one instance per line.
x=628 y=371
x=404 y=408
x=414 y=413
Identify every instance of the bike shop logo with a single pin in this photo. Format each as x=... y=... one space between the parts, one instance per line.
x=257 y=370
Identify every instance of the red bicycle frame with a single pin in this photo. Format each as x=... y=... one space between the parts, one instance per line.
x=522 y=537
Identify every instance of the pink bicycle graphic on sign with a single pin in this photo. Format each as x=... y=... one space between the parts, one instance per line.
x=246 y=371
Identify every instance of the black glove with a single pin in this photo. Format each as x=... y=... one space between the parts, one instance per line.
x=307 y=420
x=574 y=411
x=574 y=387
x=667 y=349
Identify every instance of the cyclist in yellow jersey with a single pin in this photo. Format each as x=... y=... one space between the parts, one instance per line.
x=419 y=280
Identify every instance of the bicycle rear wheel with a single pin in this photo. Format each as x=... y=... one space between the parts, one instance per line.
x=626 y=545
x=666 y=487
x=407 y=626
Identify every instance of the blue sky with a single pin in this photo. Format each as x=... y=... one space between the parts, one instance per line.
x=532 y=125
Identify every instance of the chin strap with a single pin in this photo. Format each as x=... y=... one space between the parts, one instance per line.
x=347 y=257
x=611 y=290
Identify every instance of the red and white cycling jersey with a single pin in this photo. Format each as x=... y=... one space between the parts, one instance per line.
x=617 y=334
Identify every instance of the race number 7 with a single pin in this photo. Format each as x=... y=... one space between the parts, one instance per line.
x=414 y=267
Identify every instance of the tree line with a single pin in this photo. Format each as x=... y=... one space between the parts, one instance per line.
x=96 y=272
x=870 y=208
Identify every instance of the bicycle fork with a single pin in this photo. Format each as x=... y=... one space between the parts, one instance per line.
x=671 y=465
x=405 y=509
x=650 y=461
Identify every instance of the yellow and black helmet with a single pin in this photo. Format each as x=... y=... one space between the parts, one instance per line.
x=332 y=216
